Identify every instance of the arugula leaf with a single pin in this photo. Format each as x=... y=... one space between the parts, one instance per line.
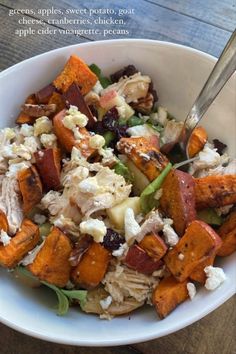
x=104 y=81
x=63 y=303
x=95 y=69
x=76 y=295
x=147 y=200
x=63 y=296
x=210 y=216
x=134 y=120
x=123 y=170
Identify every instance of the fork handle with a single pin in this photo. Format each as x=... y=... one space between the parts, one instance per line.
x=222 y=71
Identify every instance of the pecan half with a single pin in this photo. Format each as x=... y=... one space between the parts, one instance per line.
x=144 y=105
x=38 y=110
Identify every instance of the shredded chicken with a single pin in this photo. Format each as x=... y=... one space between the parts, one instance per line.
x=132 y=88
x=11 y=204
x=153 y=223
x=112 y=190
x=172 y=131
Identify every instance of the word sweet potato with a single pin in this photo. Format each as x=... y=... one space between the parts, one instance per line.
x=92 y=267
x=197 y=141
x=52 y=261
x=227 y=232
x=76 y=70
x=3 y=221
x=48 y=163
x=67 y=139
x=30 y=187
x=139 y=260
x=198 y=242
x=154 y=246
x=178 y=199
x=144 y=155
x=168 y=294
x=215 y=191
x=23 y=242
x=73 y=97
x=23 y=117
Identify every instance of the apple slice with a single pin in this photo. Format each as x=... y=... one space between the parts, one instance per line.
x=139 y=260
x=48 y=163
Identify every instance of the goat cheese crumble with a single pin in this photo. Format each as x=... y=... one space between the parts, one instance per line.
x=171 y=237
x=94 y=227
x=215 y=277
x=132 y=228
x=105 y=303
x=191 y=290
x=74 y=118
x=5 y=238
x=42 y=125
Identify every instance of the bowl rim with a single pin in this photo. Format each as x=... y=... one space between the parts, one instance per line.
x=145 y=336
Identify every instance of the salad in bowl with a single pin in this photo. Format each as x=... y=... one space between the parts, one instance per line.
x=94 y=206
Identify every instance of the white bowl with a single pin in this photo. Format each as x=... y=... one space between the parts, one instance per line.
x=178 y=73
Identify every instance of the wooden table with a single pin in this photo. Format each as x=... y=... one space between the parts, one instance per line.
x=202 y=24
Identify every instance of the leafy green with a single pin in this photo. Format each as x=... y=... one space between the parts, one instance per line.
x=210 y=216
x=147 y=199
x=104 y=81
x=158 y=128
x=63 y=303
x=76 y=295
x=95 y=69
x=45 y=229
x=134 y=120
x=108 y=136
x=122 y=121
x=63 y=296
x=123 y=170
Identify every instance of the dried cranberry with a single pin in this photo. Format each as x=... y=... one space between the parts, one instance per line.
x=219 y=146
x=128 y=70
x=112 y=240
x=110 y=119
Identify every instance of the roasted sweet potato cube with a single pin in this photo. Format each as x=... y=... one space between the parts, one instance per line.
x=139 y=260
x=23 y=242
x=48 y=163
x=92 y=267
x=57 y=99
x=74 y=97
x=76 y=70
x=52 y=261
x=30 y=187
x=227 y=232
x=168 y=294
x=178 y=199
x=3 y=221
x=154 y=246
x=44 y=95
x=67 y=139
x=198 y=242
x=215 y=191
x=197 y=141
x=144 y=155
x=198 y=273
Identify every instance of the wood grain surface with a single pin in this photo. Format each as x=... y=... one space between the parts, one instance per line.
x=202 y=24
